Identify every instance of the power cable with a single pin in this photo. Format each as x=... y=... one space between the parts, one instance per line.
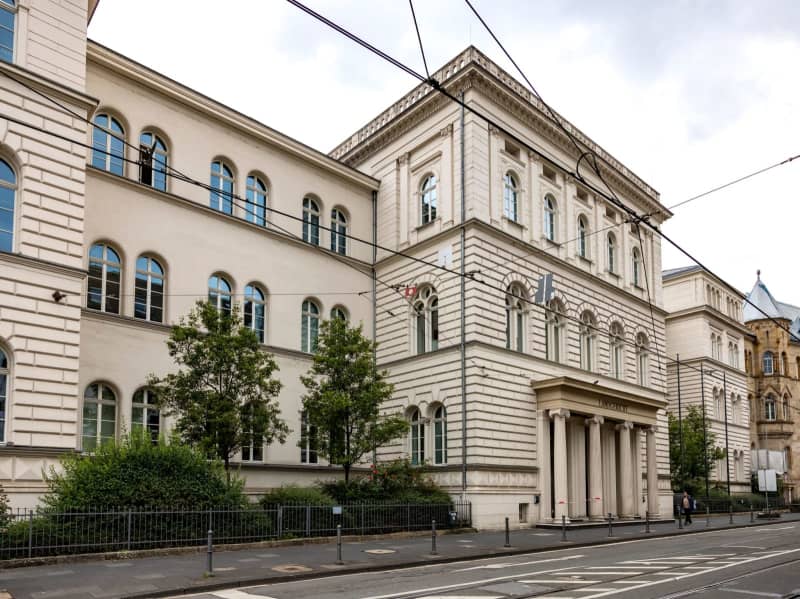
x=419 y=38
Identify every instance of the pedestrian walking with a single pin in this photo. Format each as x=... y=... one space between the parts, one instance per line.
x=687 y=503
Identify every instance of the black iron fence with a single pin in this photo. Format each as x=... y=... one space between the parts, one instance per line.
x=38 y=533
x=736 y=503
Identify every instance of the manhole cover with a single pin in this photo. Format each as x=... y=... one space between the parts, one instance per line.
x=291 y=568
x=379 y=551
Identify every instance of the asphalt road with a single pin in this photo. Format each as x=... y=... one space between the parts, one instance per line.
x=763 y=561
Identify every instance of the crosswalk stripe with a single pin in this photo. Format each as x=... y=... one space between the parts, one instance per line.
x=237 y=594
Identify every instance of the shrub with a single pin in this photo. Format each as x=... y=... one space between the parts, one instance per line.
x=136 y=473
x=5 y=509
x=292 y=494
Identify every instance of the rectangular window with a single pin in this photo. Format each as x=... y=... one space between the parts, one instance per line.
x=7 y=34
x=308 y=442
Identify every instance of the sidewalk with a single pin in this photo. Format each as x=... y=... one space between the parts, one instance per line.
x=175 y=574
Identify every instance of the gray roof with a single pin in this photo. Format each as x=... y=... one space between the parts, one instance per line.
x=674 y=272
x=769 y=306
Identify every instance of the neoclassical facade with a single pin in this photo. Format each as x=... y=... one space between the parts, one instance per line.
x=706 y=341
x=772 y=359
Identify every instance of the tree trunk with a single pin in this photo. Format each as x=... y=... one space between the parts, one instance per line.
x=346 y=474
x=227 y=469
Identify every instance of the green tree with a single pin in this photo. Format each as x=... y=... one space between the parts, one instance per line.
x=690 y=470
x=223 y=394
x=345 y=391
x=5 y=509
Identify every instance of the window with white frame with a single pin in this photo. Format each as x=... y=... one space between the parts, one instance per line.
x=255 y=310
x=144 y=413
x=339 y=313
x=642 y=359
x=108 y=144
x=8 y=200
x=611 y=253
x=5 y=377
x=425 y=308
x=510 y=197
x=439 y=435
x=768 y=363
x=636 y=267
x=219 y=293
x=583 y=237
x=148 y=296
x=99 y=416
x=428 y=200
x=550 y=208
x=309 y=326
x=588 y=341
x=256 y=201
x=417 y=448
x=105 y=275
x=253 y=447
x=770 y=408
x=308 y=441
x=153 y=161
x=515 y=317
x=554 y=330
x=616 y=350
x=221 y=193
x=8 y=17
x=310 y=221
x=338 y=232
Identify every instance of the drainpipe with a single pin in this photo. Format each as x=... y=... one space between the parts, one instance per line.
x=463 y=316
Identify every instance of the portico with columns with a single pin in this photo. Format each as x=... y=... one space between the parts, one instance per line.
x=591 y=442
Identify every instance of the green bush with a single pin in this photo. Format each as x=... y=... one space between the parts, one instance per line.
x=5 y=508
x=292 y=494
x=136 y=473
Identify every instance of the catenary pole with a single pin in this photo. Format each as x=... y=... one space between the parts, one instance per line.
x=463 y=344
x=705 y=443
x=680 y=422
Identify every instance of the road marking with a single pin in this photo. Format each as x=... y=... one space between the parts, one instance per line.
x=607 y=572
x=237 y=594
x=459 y=597
x=629 y=581
x=556 y=581
x=754 y=593
x=594 y=589
x=743 y=547
x=636 y=567
x=517 y=564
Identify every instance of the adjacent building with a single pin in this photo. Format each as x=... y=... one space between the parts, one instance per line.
x=706 y=346
x=541 y=410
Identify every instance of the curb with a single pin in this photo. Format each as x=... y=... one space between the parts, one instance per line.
x=246 y=582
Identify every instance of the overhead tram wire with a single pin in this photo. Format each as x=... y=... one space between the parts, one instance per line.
x=555 y=164
x=419 y=38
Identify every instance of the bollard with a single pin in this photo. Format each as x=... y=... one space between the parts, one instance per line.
x=647 y=522
x=30 y=534
x=752 y=516
x=130 y=527
x=708 y=516
x=730 y=513
x=339 y=544
x=610 y=530
x=563 y=527
x=433 y=538
x=508 y=535
x=210 y=554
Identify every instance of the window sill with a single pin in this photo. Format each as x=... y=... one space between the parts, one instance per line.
x=514 y=223
x=584 y=260
x=613 y=274
x=550 y=242
x=428 y=224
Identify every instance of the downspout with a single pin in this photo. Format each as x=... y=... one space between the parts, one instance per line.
x=374 y=293
x=463 y=316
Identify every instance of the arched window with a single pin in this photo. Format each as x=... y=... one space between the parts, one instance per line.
x=770 y=411
x=99 y=416
x=439 y=435
x=642 y=359
x=636 y=258
x=108 y=144
x=8 y=197
x=219 y=294
x=221 y=197
x=256 y=201
x=768 y=364
x=105 y=274
x=309 y=329
x=583 y=237
x=588 y=334
x=428 y=203
x=784 y=364
x=611 y=253
x=308 y=441
x=310 y=221
x=426 y=319
x=554 y=330
x=797 y=365
x=153 y=157
x=255 y=310
x=515 y=317
x=148 y=299
x=735 y=409
x=617 y=350
x=719 y=404
x=417 y=438
x=8 y=15
x=338 y=232
x=5 y=376
x=510 y=197
x=144 y=414
x=550 y=217
x=338 y=312
x=786 y=414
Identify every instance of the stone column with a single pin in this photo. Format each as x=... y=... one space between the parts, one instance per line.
x=626 y=469
x=652 y=473
x=636 y=455
x=595 y=468
x=560 y=471
x=608 y=439
x=545 y=475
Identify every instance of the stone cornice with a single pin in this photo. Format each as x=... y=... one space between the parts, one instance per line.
x=712 y=314
x=142 y=75
x=50 y=87
x=38 y=263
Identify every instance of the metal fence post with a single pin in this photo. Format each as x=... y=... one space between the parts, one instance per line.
x=610 y=529
x=30 y=533
x=339 y=544
x=129 y=529
x=708 y=515
x=563 y=527
x=210 y=554
x=752 y=516
x=680 y=519
x=308 y=521
x=433 y=538
x=730 y=512
x=363 y=532
x=647 y=522
x=508 y=535
x=280 y=521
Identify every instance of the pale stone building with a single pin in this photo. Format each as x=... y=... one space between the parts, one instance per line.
x=706 y=339
x=541 y=412
x=772 y=359
x=548 y=411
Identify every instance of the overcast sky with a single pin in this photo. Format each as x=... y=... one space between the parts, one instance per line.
x=688 y=94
